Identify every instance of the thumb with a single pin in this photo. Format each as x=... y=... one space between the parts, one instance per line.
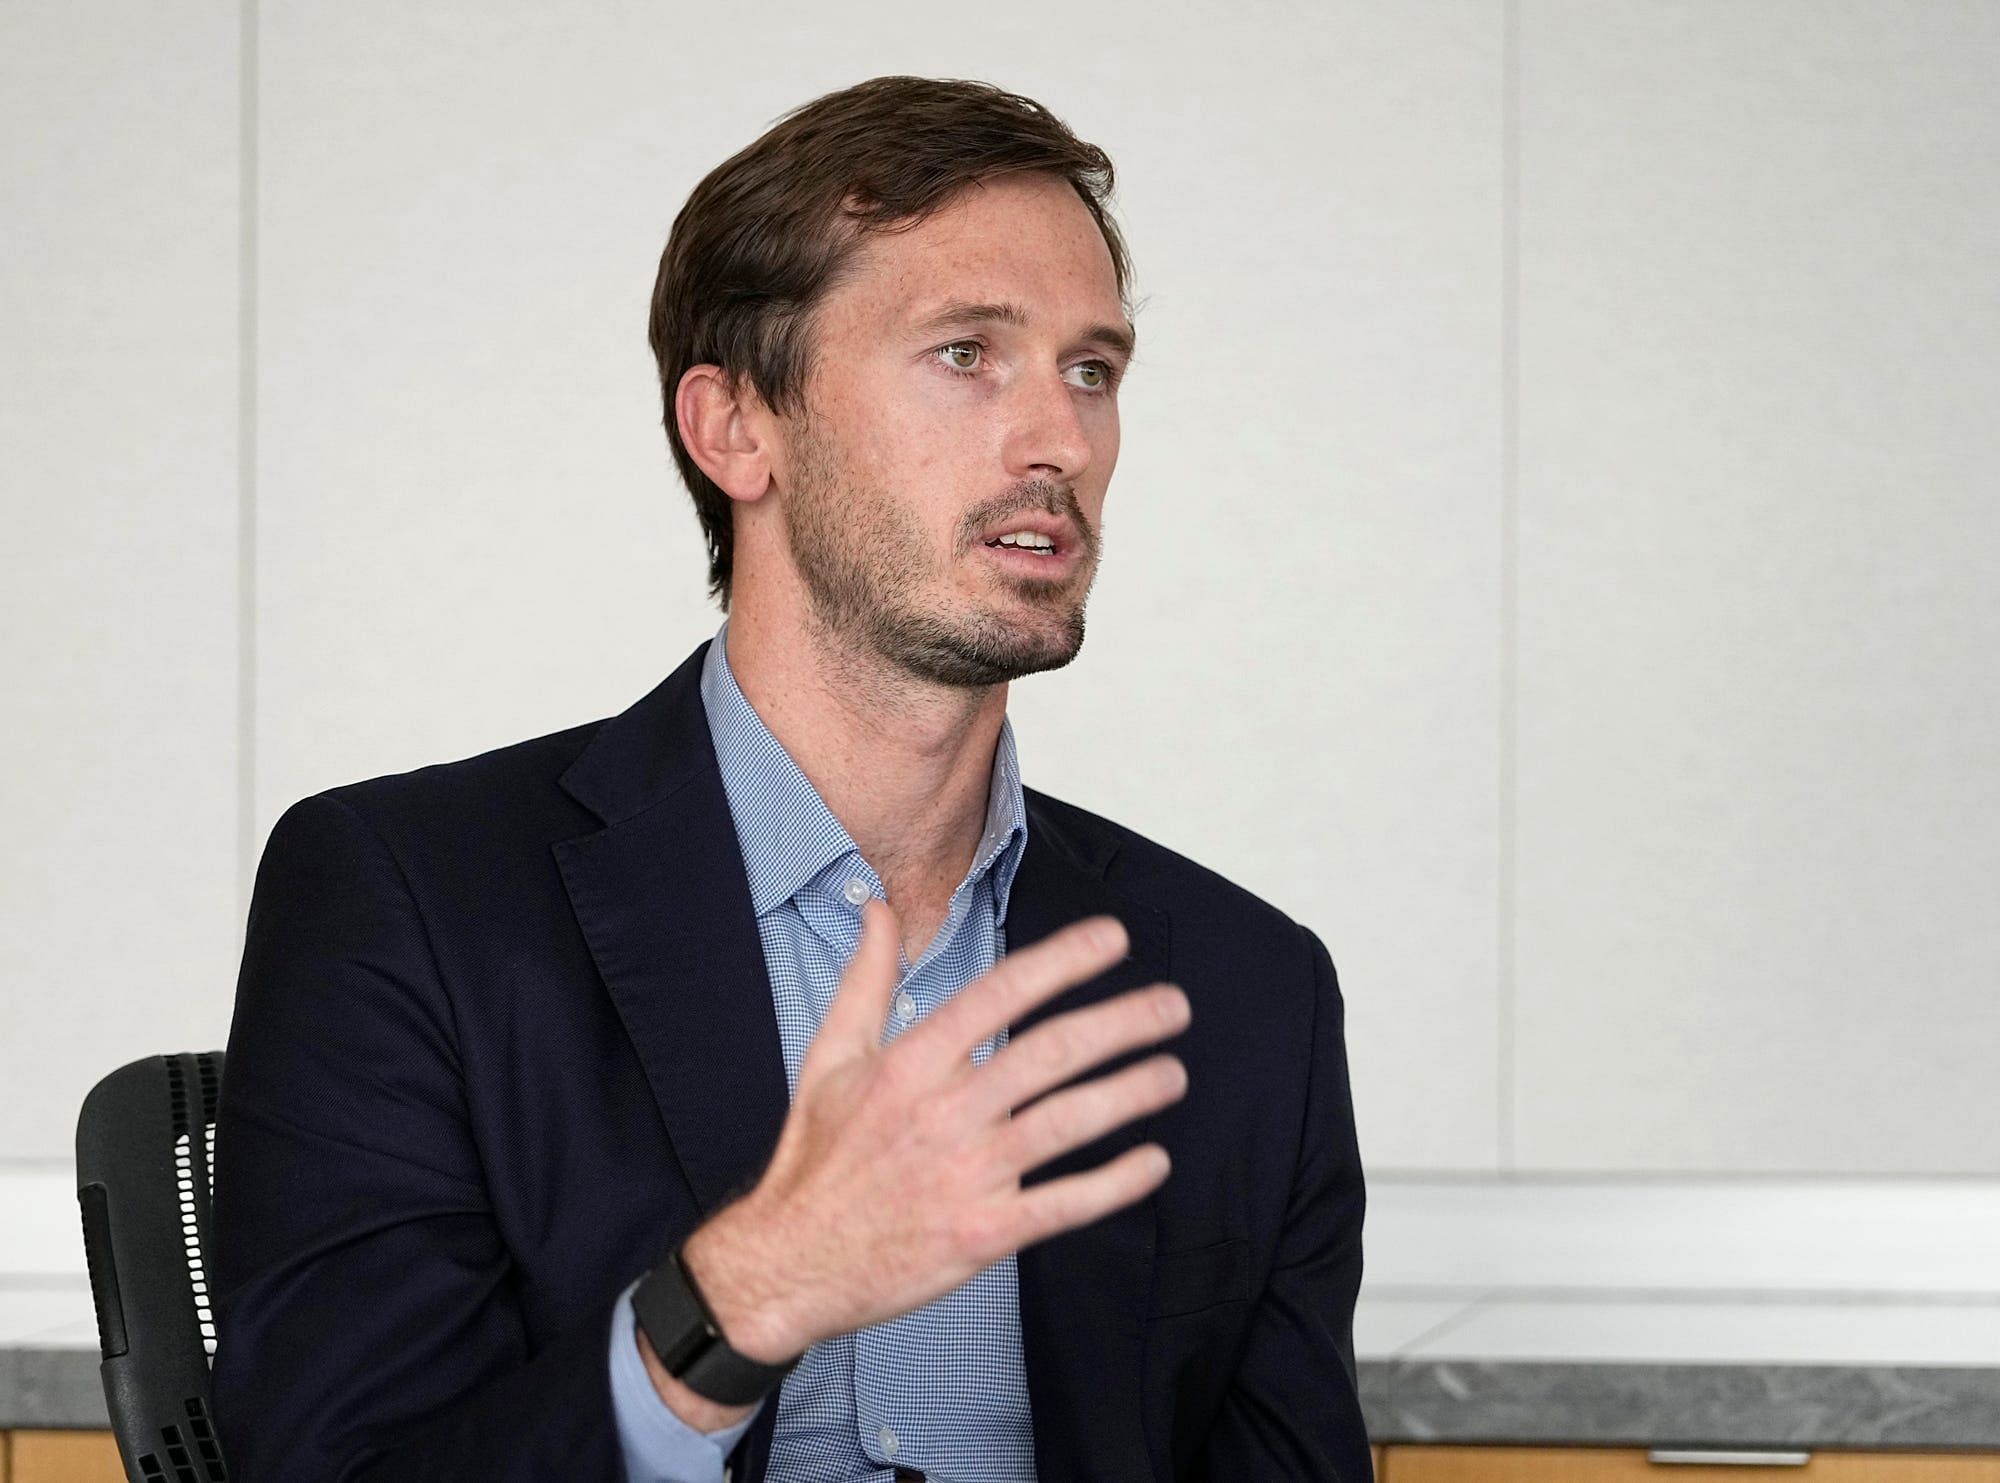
x=853 y=1023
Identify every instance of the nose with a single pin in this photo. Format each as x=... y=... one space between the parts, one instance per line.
x=1046 y=435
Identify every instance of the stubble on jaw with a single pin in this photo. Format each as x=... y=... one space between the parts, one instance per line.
x=864 y=571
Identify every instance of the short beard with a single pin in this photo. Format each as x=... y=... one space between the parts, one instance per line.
x=862 y=567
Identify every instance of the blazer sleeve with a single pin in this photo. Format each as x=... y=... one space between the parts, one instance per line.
x=1294 y=1409
x=368 y=1326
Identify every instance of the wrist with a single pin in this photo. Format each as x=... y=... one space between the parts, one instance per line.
x=697 y=1410
x=738 y=1265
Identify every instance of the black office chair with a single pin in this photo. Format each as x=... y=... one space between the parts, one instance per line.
x=143 y=1145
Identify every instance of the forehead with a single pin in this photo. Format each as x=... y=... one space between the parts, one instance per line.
x=1026 y=239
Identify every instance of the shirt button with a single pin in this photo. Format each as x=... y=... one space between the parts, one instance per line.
x=888 y=1440
x=857 y=891
x=906 y=1007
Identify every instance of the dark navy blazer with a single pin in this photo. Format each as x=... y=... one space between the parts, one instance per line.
x=504 y=1033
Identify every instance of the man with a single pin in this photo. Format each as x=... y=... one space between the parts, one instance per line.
x=764 y=1079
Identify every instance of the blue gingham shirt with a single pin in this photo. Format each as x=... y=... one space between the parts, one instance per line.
x=942 y=1389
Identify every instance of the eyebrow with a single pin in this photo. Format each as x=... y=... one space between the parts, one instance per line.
x=955 y=313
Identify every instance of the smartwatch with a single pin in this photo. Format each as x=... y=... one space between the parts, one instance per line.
x=684 y=1333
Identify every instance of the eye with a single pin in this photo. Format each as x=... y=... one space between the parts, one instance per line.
x=961 y=368
x=1107 y=375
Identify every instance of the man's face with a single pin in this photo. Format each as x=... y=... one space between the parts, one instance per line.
x=928 y=435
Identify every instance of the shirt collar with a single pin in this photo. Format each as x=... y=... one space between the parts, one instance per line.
x=787 y=832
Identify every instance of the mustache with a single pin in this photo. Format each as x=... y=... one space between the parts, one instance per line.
x=1038 y=497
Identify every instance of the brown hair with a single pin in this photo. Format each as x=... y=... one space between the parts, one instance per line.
x=770 y=231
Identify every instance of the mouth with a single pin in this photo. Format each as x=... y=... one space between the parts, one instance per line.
x=1047 y=564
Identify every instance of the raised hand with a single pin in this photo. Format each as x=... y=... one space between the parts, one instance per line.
x=897 y=1175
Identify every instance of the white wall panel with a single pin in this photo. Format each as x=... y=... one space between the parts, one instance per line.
x=1296 y=671
x=118 y=455
x=1759 y=813
x=470 y=529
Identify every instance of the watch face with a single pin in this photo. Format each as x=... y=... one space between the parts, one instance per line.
x=677 y=1322
x=668 y=1310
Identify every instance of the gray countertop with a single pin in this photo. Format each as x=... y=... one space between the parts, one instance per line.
x=1751 y=1406
x=1493 y=1401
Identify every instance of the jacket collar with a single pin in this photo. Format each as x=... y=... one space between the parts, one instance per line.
x=662 y=897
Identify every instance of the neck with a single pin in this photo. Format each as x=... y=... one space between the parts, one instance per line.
x=906 y=766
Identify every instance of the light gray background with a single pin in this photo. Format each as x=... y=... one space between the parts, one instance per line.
x=1552 y=554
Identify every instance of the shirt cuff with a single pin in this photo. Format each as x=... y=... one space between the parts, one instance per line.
x=659 y=1447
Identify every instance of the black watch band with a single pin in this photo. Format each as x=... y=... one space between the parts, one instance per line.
x=675 y=1316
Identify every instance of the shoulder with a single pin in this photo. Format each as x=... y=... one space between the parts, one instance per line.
x=508 y=795
x=1215 y=923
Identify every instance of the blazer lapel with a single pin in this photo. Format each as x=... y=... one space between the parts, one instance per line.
x=662 y=898
x=1084 y=1292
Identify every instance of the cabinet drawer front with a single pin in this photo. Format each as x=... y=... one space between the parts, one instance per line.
x=1438 y=1464
x=66 y=1457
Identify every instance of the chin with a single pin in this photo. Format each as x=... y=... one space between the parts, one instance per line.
x=987 y=647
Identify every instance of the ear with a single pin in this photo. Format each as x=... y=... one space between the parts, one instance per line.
x=727 y=430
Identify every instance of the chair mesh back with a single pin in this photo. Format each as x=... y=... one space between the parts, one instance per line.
x=145 y=1143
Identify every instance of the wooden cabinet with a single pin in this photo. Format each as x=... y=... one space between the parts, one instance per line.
x=62 y=1457
x=92 y=1457
x=1430 y=1463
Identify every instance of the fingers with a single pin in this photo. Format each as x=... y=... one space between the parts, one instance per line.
x=1017 y=983
x=869 y=1124
x=1057 y=1050
x=1058 y=1205
x=853 y=1023
x=1081 y=1114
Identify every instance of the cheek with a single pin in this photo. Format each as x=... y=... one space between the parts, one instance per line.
x=895 y=439
x=1105 y=449
x=926 y=461
x=908 y=490
x=1103 y=459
